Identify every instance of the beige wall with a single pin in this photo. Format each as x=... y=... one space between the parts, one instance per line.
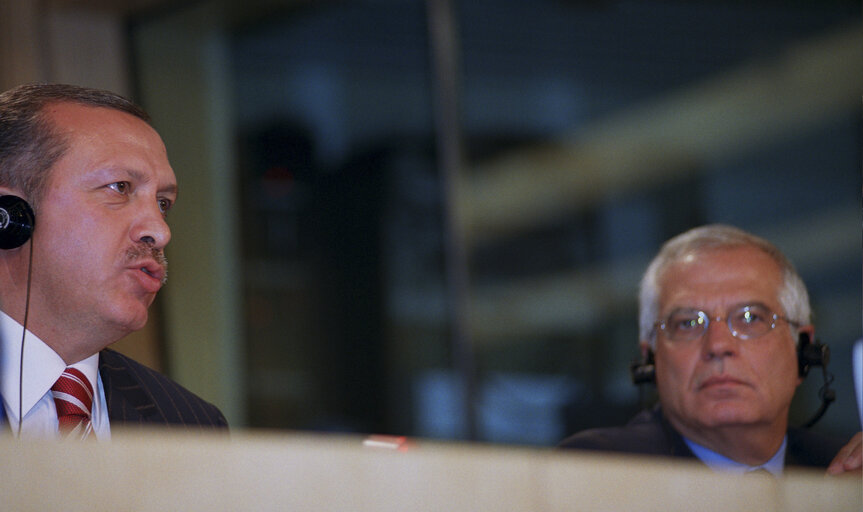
x=184 y=84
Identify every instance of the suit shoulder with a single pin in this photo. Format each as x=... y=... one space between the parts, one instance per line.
x=813 y=449
x=157 y=398
x=644 y=434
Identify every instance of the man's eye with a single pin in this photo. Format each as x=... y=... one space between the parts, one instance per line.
x=120 y=186
x=684 y=322
x=687 y=323
x=751 y=317
x=165 y=205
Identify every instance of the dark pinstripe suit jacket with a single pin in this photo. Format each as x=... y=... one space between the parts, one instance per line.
x=137 y=395
x=649 y=433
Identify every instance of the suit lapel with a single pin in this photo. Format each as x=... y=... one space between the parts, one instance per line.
x=677 y=447
x=128 y=401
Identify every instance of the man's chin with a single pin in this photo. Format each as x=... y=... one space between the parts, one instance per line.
x=129 y=321
x=138 y=323
x=728 y=414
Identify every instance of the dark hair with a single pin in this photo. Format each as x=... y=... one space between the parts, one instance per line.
x=29 y=143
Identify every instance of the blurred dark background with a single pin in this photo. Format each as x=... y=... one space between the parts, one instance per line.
x=343 y=184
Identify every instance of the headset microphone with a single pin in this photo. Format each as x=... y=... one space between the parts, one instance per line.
x=16 y=222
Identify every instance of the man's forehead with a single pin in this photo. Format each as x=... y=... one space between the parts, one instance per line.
x=98 y=131
x=737 y=256
x=721 y=277
x=72 y=120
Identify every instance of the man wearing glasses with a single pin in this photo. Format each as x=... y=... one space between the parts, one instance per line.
x=721 y=316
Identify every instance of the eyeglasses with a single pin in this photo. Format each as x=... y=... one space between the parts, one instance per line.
x=744 y=322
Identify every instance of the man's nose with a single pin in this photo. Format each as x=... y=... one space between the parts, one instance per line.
x=151 y=229
x=718 y=340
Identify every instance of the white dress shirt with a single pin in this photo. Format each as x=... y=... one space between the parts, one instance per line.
x=42 y=368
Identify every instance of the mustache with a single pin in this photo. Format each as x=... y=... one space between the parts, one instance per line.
x=144 y=251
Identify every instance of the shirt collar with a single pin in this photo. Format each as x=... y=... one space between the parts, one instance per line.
x=42 y=367
x=720 y=462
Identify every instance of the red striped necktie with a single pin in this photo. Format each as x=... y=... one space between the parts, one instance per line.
x=73 y=396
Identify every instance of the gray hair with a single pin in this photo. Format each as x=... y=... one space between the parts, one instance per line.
x=29 y=143
x=793 y=296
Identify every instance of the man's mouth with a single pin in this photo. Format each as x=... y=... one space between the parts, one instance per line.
x=156 y=272
x=720 y=381
x=150 y=261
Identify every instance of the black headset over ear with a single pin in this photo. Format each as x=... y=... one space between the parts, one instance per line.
x=16 y=222
x=809 y=354
x=644 y=370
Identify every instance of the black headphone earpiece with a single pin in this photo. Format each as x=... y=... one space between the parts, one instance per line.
x=643 y=371
x=16 y=222
x=811 y=354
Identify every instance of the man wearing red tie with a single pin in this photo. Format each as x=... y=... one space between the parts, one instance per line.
x=85 y=189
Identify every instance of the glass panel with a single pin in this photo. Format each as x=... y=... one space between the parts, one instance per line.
x=591 y=132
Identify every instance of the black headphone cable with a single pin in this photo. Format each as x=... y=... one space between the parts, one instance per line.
x=23 y=337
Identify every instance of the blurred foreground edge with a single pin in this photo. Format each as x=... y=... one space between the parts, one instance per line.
x=165 y=470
